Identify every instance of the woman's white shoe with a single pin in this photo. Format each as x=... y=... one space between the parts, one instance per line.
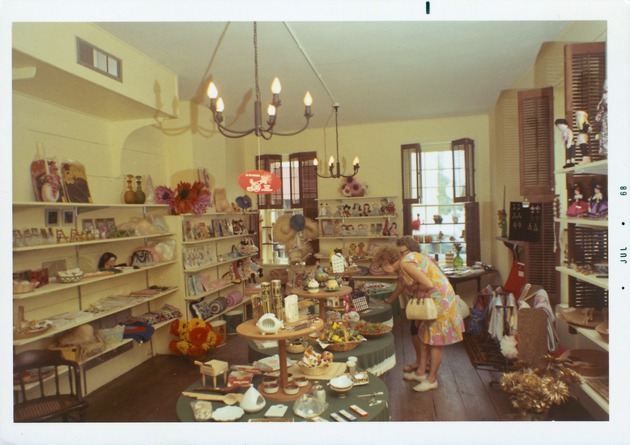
x=425 y=386
x=414 y=376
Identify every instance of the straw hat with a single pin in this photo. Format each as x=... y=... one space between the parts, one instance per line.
x=282 y=230
x=311 y=229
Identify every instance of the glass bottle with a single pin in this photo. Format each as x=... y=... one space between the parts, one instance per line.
x=140 y=196
x=276 y=294
x=257 y=311
x=458 y=261
x=130 y=194
x=265 y=291
x=318 y=391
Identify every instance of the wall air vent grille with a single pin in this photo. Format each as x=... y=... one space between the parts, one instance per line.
x=98 y=60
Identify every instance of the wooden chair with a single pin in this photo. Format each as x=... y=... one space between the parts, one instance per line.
x=41 y=390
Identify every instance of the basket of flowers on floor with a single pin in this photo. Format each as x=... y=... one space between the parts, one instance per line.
x=338 y=336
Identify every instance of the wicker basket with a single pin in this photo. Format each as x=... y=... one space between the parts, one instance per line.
x=342 y=347
x=296 y=348
x=74 y=278
x=318 y=370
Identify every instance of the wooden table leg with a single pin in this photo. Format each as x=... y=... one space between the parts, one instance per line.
x=282 y=355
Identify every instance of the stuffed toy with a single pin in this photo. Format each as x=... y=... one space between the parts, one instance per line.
x=221 y=203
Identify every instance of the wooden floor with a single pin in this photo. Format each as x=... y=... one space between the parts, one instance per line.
x=149 y=392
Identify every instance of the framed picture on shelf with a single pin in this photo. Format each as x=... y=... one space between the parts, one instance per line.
x=110 y=223
x=52 y=217
x=101 y=225
x=328 y=227
x=68 y=217
x=87 y=225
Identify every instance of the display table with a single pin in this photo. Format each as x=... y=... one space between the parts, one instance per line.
x=456 y=276
x=376 y=413
x=382 y=291
x=377 y=312
x=249 y=330
x=376 y=355
x=321 y=296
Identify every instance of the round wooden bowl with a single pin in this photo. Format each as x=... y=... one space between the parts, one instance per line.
x=383 y=329
x=602 y=329
x=586 y=362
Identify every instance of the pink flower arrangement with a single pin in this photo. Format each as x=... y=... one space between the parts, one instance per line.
x=351 y=188
x=186 y=198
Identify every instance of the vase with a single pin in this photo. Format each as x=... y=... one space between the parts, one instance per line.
x=130 y=194
x=140 y=196
x=458 y=261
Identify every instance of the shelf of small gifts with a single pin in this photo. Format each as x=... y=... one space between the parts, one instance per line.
x=64 y=240
x=85 y=206
x=595 y=222
x=218 y=238
x=589 y=278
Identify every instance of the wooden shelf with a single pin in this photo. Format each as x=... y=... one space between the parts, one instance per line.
x=216 y=238
x=218 y=263
x=89 y=243
x=52 y=332
x=583 y=221
x=359 y=198
x=595 y=168
x=358 y=217
x=210 y=292
x=357 y=237
x=592 y=279
x=57 y=287
x=85 y=206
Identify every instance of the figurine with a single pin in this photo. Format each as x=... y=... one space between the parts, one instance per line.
x=584 y=128
x=598 y=207
x=107 y=263
x=393 y=229
x=577 y=207
x=567 y=138
x=602 y=118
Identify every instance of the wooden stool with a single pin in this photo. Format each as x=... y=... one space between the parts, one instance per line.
x=213 y=368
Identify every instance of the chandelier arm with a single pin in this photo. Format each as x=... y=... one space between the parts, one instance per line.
x=293 y=133
x=234 y=134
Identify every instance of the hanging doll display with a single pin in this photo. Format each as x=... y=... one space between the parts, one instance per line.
x=598 y=206
x=577 y=205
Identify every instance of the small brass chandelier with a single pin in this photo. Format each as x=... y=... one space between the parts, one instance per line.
x=217 y=107
x=335 y=167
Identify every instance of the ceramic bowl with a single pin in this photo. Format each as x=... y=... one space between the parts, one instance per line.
x=300 y=381
x=270 y=379
x=270 y=387
x=291 y=388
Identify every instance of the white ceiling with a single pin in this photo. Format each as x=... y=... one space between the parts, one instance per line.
x=376 y=71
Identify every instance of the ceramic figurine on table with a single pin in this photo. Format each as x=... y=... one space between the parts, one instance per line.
x=598 y=207
x=578 y=206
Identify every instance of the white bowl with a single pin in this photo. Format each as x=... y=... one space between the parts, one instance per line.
x=291 y=388
x=341 y=382
x=300 y=381
x=271 y=388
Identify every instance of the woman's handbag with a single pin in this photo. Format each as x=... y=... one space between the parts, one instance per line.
x=421 y=309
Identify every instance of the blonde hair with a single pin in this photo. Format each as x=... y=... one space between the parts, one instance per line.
x=387 y=255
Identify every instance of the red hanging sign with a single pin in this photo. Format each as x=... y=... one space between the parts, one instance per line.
x=259 y=182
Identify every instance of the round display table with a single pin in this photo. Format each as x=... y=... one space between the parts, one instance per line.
x=377 y=312
x=374 y=393
x=376 y=355
x=321 y=296
x=249 y=330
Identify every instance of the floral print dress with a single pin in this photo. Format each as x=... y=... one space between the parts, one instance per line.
x=448 y=327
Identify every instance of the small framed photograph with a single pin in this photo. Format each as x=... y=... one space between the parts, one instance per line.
x=52 y=217
x=328 y=228
x=101 y=226
x=68 y=217
x=110 y=223
x=87 y=225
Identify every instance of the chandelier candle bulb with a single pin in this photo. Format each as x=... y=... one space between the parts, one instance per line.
x=331 y=161
x=356 y=161
x=275 y=86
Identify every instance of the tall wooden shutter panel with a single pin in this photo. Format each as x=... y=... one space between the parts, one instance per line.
x=304 y=189
x=273 y=164
x=585 y=74
x=473 y=245
x=541 y=259
x=411 y=174
x=535 y=112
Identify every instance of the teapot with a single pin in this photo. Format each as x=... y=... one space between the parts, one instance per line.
x=313 y=286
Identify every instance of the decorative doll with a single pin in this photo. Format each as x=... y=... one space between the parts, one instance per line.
x=598 y=207
x=356 y=209
x=393 y=229
x=367 y=210
x=584 y=127
x=602 y=118
x=577 y=207
x=567 y=139
x=107 y=263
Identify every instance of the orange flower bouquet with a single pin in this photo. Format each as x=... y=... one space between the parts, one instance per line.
x=196 y=337
x=186 y=198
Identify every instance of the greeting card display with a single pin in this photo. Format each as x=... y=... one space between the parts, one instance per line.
x=525 y=221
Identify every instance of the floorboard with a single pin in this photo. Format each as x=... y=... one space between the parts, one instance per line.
x=148 y=393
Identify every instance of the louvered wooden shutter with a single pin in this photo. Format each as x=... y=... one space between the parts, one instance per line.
x=463 y=151
x=411 y=175
x=541 y=259
x=303 y=179
x=535 y=113
x=585 y=74
x=273 y=164
x=473 y=246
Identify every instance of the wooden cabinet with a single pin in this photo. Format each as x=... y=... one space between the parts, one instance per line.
x=100 y=299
